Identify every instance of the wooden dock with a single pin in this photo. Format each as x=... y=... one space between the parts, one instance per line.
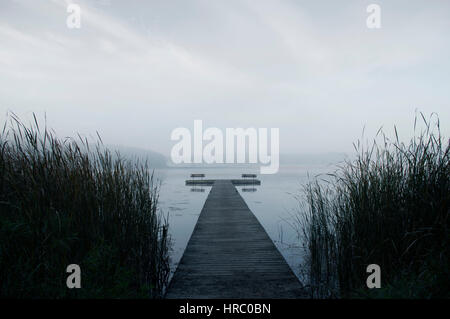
x=230 y=255
x=210 y=182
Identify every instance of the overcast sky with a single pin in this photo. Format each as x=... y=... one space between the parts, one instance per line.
x=136 y=70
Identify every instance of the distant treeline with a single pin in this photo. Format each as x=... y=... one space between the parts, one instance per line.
x=154 y=159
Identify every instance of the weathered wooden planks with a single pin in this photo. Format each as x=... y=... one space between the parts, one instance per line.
x=230 y=255
x=210 y=182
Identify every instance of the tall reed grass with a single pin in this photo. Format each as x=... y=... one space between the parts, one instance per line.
x=64 y=202
x=390 y=206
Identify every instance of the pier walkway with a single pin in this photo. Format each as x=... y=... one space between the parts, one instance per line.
x=230 y=255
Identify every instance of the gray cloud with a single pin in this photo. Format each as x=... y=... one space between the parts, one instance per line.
x=136 y=70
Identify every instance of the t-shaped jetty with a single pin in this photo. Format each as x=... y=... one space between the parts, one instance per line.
x=230 y=255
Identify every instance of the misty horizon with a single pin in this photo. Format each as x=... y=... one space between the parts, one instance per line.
x=134 y=72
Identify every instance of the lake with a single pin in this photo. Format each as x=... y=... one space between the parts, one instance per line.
x=273 y=203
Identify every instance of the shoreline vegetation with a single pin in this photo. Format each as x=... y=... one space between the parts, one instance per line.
x=390 y=206
x=64 y=202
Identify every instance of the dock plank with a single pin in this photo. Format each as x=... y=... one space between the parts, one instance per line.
x=210 y=182
x=230 y=255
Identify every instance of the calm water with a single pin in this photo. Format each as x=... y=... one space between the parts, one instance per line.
x=273 y=203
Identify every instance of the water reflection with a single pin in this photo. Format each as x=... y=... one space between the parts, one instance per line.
x=272 y=203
